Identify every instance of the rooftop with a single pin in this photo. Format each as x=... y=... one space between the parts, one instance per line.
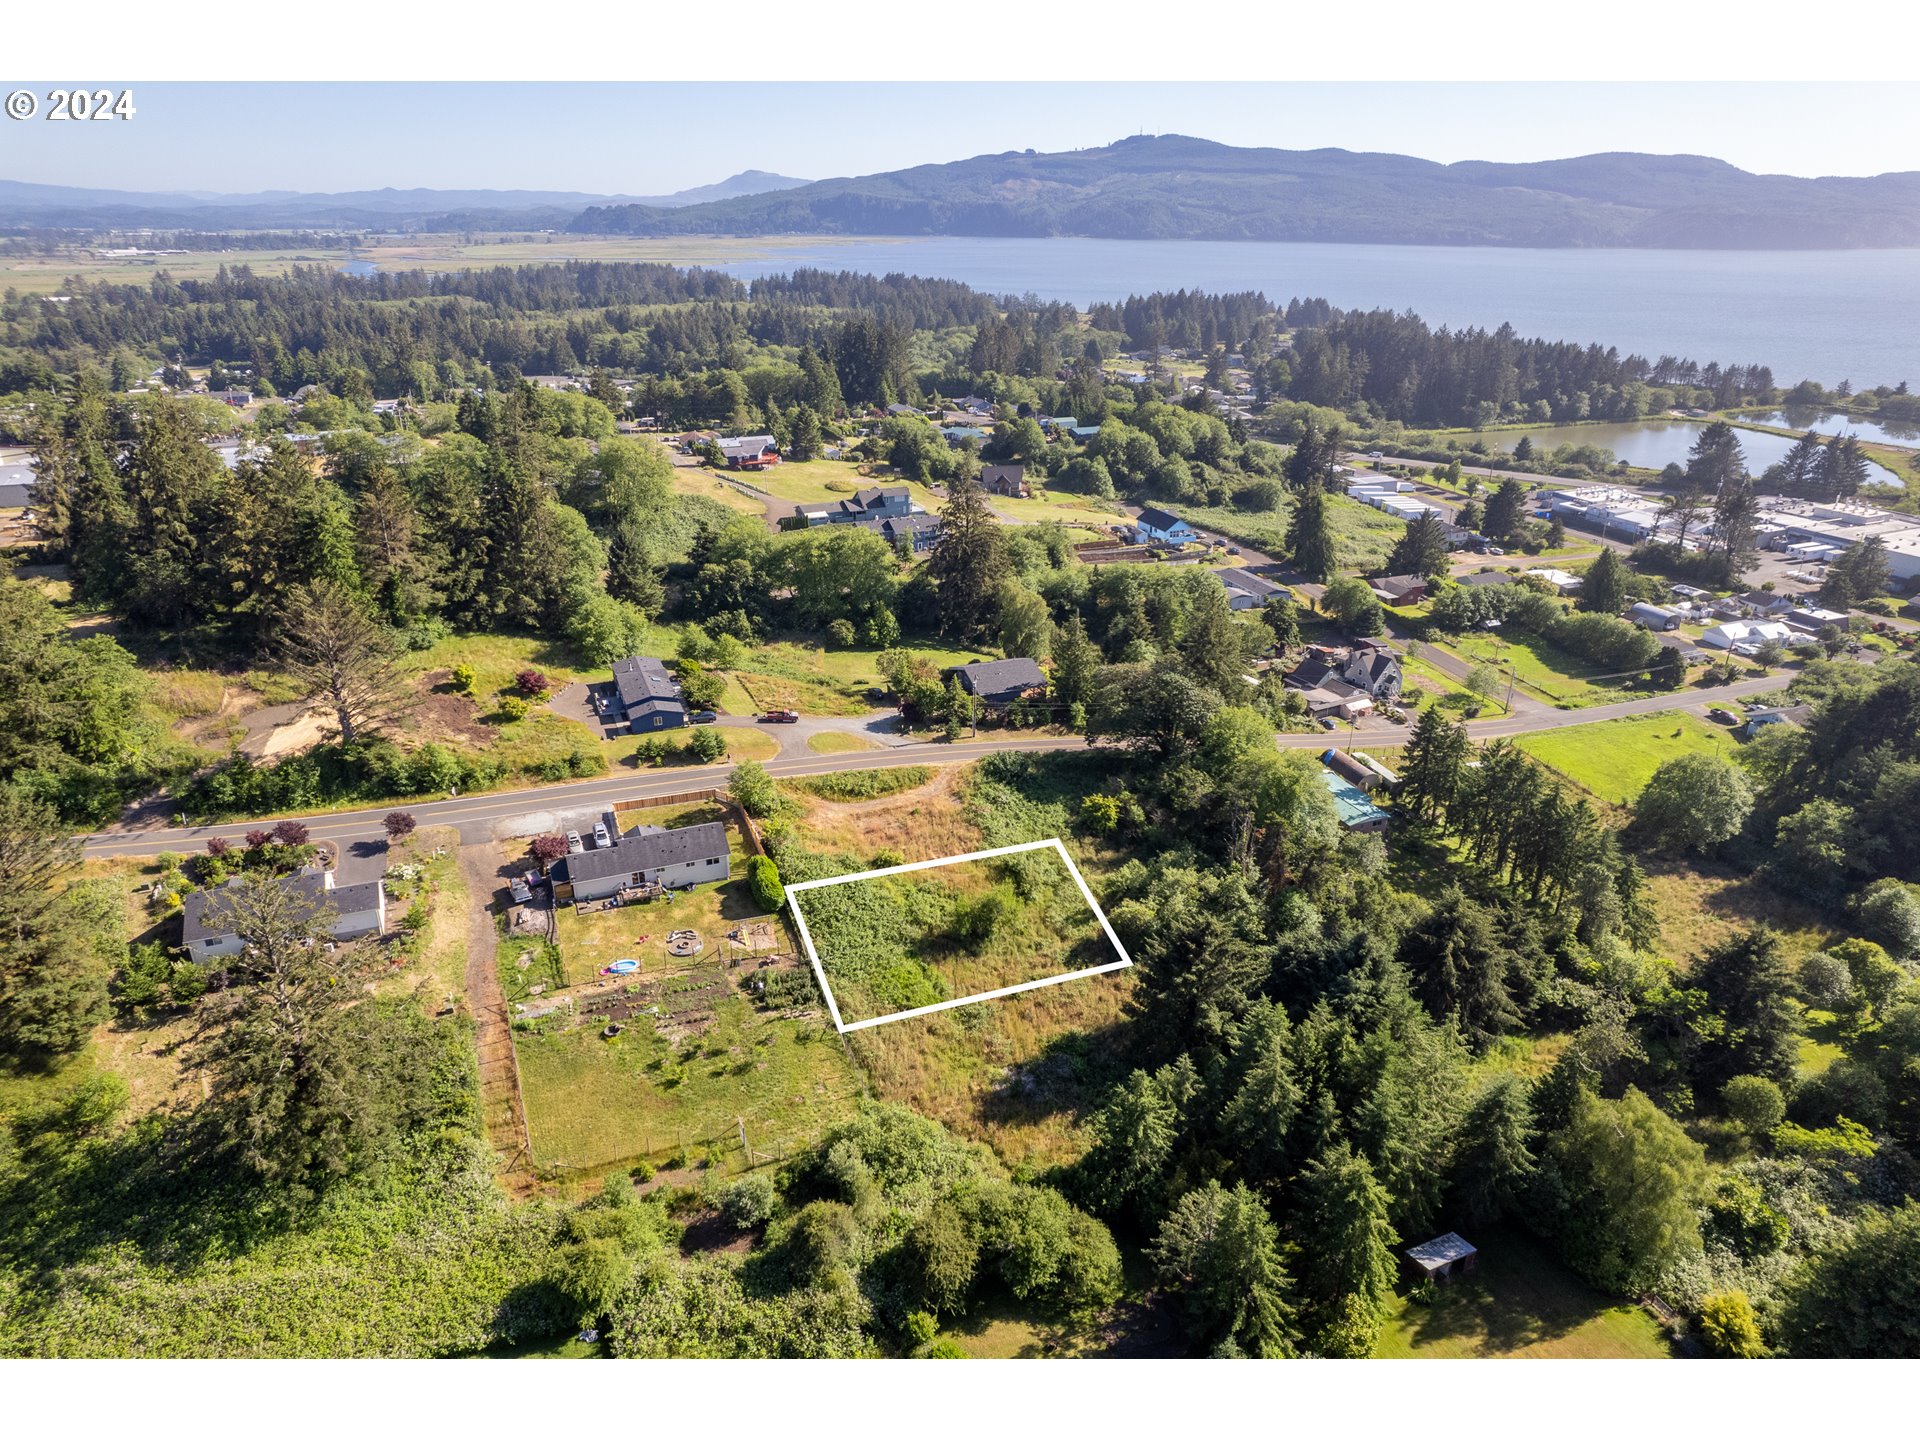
x=1441 y=1250
x=1350 y=802
x=647 y=848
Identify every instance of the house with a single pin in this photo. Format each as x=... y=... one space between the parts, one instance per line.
x=239 y=399
x=1654 y=617
x=1488 y=577
x=1059 y=424
x=998 y=683
x=643 y=857
x=1794 y=716
x=1745 y=636
x=1337 y=699
x=1008 y=480
x=389 y=407
x=1350 y=803
x=1812 y=620
x=16 y=485
x=1443 y=1259
x=1083 y=433
x=1763 y=602
x=749 y=452
x=1562 y=582
x=1159 y=527
x=958 y=435
x=1369 y=667
x=1248 y=591
x=921 y=531
x=899 y=410
x=646 y=697
x=1400 y=589
x=207 y=924
x=1684 y=644
x=876 y=502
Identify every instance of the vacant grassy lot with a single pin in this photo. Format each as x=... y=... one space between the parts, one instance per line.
x=1364 y=536
x=1521 y=1302
x=904 y=941
x=1701 y=903
x=593 y=1102
x=1543 y=669
x=813 y=482
x=1614 y=759
x=1062 y=505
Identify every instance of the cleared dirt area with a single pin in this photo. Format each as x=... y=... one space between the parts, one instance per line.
x=925 y=823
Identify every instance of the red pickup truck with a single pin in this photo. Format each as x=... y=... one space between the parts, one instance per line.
x=780 y=717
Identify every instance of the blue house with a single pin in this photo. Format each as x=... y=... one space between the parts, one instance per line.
x=647 y=697
x=1159 y=527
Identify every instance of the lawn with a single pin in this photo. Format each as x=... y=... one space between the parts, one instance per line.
x=1543 y=669
x=702 y=482
x=1444 y=688
x=839 y=742
x=814 y=482
x=1066 y=507
x=1520 y=1303
x=593 y=1102
x=1364 y=536
x=1614 y=759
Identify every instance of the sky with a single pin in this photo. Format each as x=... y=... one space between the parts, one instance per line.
x=653 y=138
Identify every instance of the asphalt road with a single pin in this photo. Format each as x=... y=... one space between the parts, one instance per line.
x=482 y=817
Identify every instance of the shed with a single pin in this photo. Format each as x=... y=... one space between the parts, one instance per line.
x=1443 y=1258
x=1654 y=617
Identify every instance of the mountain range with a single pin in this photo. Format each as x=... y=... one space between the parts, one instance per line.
x=1176 y=187
x=23 y=203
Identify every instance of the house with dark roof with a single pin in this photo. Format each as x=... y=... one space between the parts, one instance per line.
x=1248 y=591
x=996 y=684
x=749 y=452
x=643 y=858
x=1369 y=667
x=209 y=929
x=1008 y=480
x=874 y=502
x=1792 y=716
x=646 y=695
x=920 y=530
x=1154 y=526
x=1486 y=577
x=1400 y=589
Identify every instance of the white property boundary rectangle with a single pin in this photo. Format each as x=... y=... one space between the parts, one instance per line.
x=820 y=974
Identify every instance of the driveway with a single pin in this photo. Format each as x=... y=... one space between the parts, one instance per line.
x=884 y=728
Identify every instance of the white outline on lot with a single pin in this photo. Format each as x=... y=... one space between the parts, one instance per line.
x=820 y=974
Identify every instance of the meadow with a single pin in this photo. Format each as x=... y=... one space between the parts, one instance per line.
x=1613 y=759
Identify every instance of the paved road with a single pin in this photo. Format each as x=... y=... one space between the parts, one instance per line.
x=478 y=817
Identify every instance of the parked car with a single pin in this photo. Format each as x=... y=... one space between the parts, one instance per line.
x=1375 y=455
x=1233 y=549
x=780 y=717
x=1326 y=722
x=1724 y=716
x=522 y=895
x=703 y=717
x=575 y=845
x=601 y=838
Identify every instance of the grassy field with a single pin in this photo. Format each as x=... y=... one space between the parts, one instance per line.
x=593 y=1102
x=1521 y=1302
x=1543 y=669
x=839 y=742
x=904 y=941
x=47 y=275
x=1614 y=759
x=689 y=480
x=1700 y=903
x=1064 y=506
x=1364 y=536
x=813 y=482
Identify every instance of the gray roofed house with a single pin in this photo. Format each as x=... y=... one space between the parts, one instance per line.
x=999 y=683
x=1487 y=577
x=648 y=855
x=648 y=697
x=875 y=502
x=1248 y=591
x=1792 y=716
x=920 y=529
x=1009 y=480
x=206 y=915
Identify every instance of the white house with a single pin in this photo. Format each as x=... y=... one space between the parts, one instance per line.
x=1744 y=635
x=648 y=855
x=207 y=923
x=1161 y=527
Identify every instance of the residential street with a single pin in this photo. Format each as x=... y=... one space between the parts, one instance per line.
x=485 y=817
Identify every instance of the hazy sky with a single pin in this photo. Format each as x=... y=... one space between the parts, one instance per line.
x=653 y=138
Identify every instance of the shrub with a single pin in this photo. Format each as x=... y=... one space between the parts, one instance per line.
x=707 y=744
x=532 y=684
x=514 y=707
x=464 y=680
x=1728 y=1327
x=1754 y=1103
x=749 y=1202
x=763 y=882
x=841 y=634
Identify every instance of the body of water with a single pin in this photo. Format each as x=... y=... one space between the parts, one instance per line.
x=1828 y=422
x=1826 y=315
x=360 y=267
x=1652 y=444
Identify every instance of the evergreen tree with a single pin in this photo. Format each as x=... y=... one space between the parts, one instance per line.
x=1749 y=994
x=1422 y=549
x=1603 y=588
x=1257 y=1121
x=53 y=969
x=1314 y=459
x=967 y=563
x=1506 y=507
x=1345 y=1246
x=1800 y=470
x=1125 y=1169
x=1211 y=647
x=1075 y=659
x=1310 y=539
x=1459 y=967
x=1495 y=1160
x=1434 y=766
x=1219 y=1252
x=343 y=659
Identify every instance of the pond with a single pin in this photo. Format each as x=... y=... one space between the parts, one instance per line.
x=1831 y=422
x=1649 y=444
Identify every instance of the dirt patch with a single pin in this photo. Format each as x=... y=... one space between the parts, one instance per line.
x=301 y=733
x=708 y=1233
x=440 y=714
x=923 y=824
